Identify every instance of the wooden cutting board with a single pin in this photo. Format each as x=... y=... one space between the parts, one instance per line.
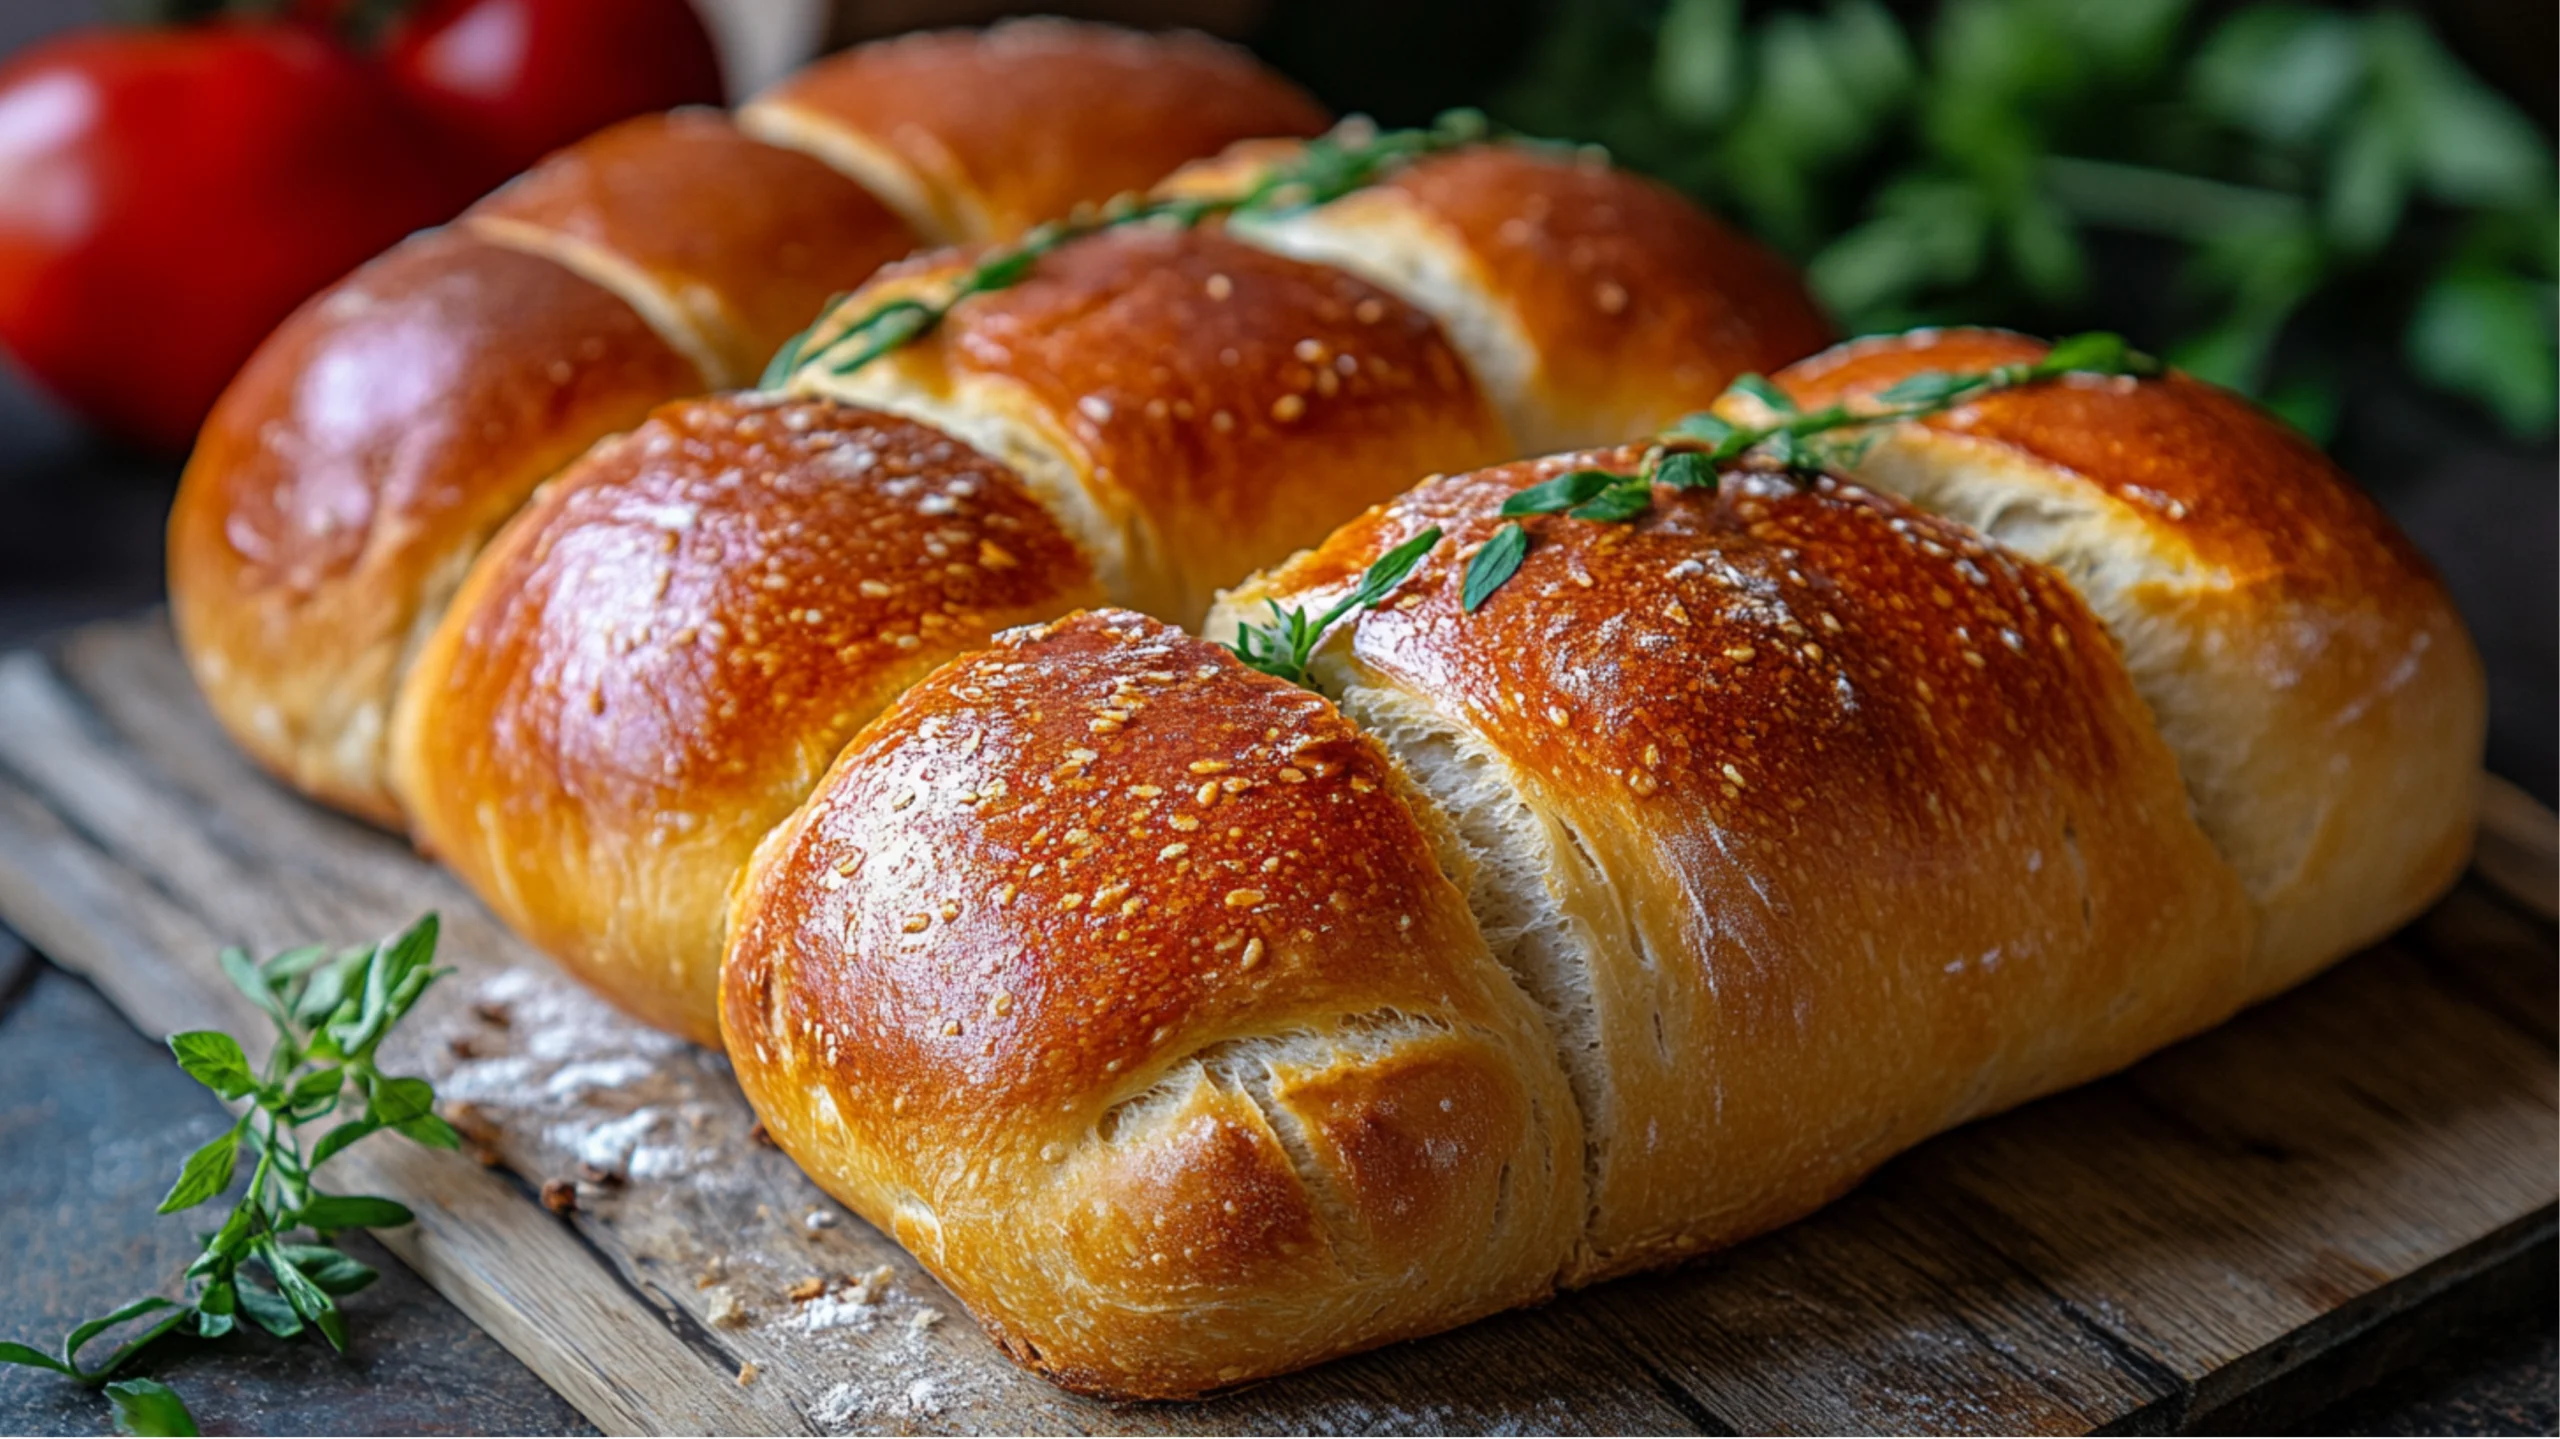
x=2201 y=1241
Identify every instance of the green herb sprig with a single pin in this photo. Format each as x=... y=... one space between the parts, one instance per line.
x=1352 y=156
x=1685 y=456
x=331 y=1010
x=1283 y=646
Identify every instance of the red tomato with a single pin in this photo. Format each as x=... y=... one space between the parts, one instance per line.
x=524 y=77
x=168 y=196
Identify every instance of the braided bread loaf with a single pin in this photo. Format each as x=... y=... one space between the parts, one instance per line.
x=1191 y=1026
x=350 y=474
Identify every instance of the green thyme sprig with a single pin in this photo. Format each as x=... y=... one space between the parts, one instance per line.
x=1352 y=156
x=331 y=1010
x=1282 y=647
x=1686 y=455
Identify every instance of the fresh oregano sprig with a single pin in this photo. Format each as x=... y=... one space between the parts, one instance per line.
x=331 y=1011
x=1283 y=646
x=1351 y=156
x=1686 y=455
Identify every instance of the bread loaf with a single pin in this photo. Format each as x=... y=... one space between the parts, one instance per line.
x=344 y=481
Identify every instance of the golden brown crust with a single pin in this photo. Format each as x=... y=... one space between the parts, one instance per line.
x=2322 y=696
x=1596 y=304
x=351 y=471
x=727 y=243
x=656 y=661
x=1856 y=818
x=1219 y=406
x=1642 y=306
x=1119 y=982
x=989 y=132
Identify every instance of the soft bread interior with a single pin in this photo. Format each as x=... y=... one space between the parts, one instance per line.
x=703 y=332
x=1391 y=243
x=1506 y=858
x=937 y=219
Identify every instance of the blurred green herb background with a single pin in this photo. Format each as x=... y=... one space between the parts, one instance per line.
x=2210 y=178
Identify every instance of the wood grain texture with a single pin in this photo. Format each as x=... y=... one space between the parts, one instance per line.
x=2146 y=1253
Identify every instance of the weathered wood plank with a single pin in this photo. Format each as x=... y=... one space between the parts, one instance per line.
x=2142 y=1253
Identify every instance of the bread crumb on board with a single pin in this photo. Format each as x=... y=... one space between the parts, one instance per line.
x=747 y=1373
x=725 y=1310
x=559 y=1195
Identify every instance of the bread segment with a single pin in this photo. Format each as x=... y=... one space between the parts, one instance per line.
x=727 y=245
x=656 y=661
x=348 y=477
x=2323 y=699
x=1121 y=984
x=1815 y=825
x=1594 y=305
x=978 y=135
x=1190 y=407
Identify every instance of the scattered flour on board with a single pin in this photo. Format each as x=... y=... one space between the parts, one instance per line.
x=608 y=1091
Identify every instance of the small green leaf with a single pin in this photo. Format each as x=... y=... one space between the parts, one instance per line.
x=338 y=1138
x=2282 y=72
x=207 y=1172
x=1928 y=387
x=1389 y=570
x=1494 y=565
x=2368 y=183
x=1561 y=493
x=215 y=1308
x=224 y=1243
x=329 y=985
x=247 y=978
x=1628 y=499
x=292 y=964
x=2097 y=352
x=269 y=1311
x=2489 y=336
x=1782 y=447
x=354 y=1211
x=1697 y=55
x=149 y=1407
x=79 y=1337
x=334 y=1272
x=1683 y=470
x=215 y=1060
x=308 y=1299
x=1759 y=388
x=398 y=1100
x=319 y=1084
x=33 y=1358
x=1701 y=426
x=431 y=1131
